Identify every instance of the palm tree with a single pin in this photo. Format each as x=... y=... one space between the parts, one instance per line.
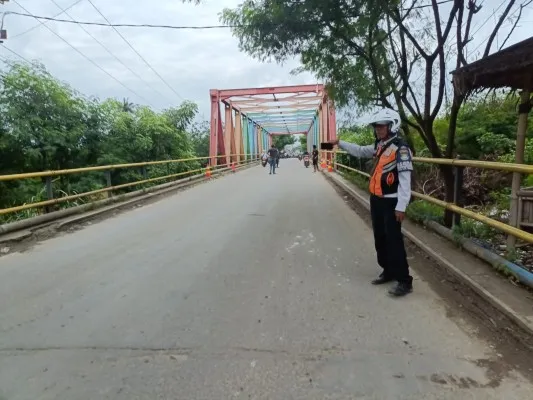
x=127 y=106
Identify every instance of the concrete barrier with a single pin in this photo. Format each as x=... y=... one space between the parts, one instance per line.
x=120 y=201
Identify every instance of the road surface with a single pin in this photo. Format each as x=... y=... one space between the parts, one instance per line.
x=247 y=287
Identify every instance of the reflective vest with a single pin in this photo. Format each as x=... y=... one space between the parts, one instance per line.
x=389 y=158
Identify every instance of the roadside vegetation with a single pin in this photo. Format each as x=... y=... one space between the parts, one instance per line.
x=47 y=125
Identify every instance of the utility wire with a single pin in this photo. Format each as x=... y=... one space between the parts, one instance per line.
x=38 y=25
x=109 y=51
x=15 y=53
x=199 y=27
x=11 y=63
x=136 y=52
x=108 y=24
x=487 y=38
x=4 y=78
x=477 y=30
x=488 y=19
x=84 y=56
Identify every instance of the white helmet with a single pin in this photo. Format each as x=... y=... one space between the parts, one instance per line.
x=386 y=116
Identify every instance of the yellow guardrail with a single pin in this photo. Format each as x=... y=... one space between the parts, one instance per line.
x=509 y=167
x=523 y=168
x=110 y=188
x=42 y=174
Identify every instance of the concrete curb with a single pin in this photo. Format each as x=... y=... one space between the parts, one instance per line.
x=494 y=301
x=525 y=277
x=20 y=230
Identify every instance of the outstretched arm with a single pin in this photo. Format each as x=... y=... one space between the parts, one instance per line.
x=356 y=150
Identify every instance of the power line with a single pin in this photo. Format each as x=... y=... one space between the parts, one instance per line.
x=109 y=24
x=488 y=19
x=8 y=61
x=109 y=51
x=84 y=56
x=136 y=52
x=16 y=86
x=487 y=38
x=38 y=25
x=478 y=29
x=162 y=26
x=15 y=53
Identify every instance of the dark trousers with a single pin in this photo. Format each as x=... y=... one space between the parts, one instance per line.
x=272 y=163
x=388 y=239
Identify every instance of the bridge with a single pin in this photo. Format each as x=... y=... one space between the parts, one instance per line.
x=245 y=285
x=253 y=116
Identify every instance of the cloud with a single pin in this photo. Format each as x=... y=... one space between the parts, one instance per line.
x=190 y=61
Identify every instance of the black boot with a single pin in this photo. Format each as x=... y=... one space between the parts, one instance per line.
x=401 y=289
x=381 y=280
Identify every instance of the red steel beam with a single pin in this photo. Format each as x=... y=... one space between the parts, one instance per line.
x=213 y=136
x=284 y=133
x=289 y=99
x=325 y=110
x=227 y=93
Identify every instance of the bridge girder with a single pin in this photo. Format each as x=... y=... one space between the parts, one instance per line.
x=252 y=116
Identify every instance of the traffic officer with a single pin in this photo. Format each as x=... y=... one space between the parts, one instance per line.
x=390 y=192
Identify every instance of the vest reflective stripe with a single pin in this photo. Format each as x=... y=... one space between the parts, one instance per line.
x=384 y=181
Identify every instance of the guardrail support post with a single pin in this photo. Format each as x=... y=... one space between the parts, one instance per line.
x=523 y=110
x=144 y=172
x=458 y=193
x=108 y=182
x=49 y=193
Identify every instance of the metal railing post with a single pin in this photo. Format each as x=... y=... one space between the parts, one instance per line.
x=458 y=193
x=49 y=193
x=108 y=182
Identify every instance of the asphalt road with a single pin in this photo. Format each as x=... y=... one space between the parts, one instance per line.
x=248 y=287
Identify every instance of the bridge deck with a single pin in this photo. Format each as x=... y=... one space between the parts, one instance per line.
x=251 y=286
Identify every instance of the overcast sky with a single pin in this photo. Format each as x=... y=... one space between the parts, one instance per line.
x=191 y=61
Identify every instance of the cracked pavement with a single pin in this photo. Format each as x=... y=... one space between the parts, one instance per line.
x=248 y=287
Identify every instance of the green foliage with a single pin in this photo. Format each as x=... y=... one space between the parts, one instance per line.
x=46 y=125
x=422 y=211
x=359 y=180
x=357 y=135
x=315 y=31
x=487 y=126
x=528 y=154
x=470 y=228
x=303 y=142
x=281 y=141
x=199 y=134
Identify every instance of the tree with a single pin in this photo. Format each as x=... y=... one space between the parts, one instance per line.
x=303 y=142
x=45 y=124
x=127 y=106
x=41 y=117
x=370 y=52
x=199 y=134
x=280 y=141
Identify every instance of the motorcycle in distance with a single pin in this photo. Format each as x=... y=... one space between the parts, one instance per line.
x=306 y=161
x=264 y=162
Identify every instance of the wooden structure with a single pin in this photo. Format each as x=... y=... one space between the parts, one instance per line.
x=525 y=209
x=512 y=68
